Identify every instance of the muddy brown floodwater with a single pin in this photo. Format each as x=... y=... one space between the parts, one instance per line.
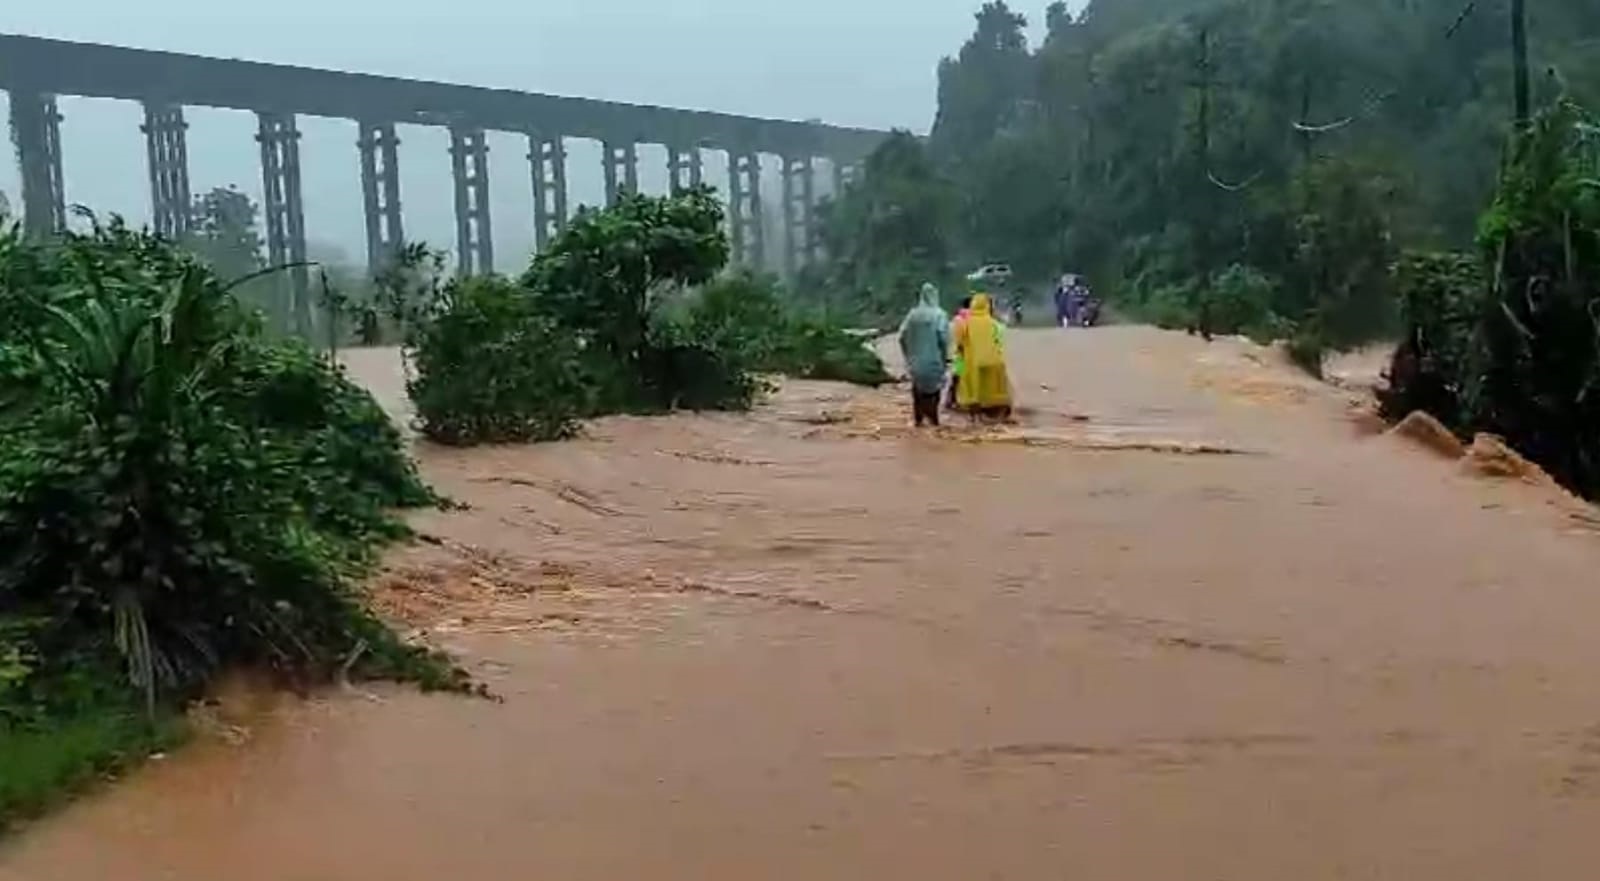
x=1186 y=622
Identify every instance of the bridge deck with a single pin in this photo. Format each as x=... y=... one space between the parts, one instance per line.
x=97 y=71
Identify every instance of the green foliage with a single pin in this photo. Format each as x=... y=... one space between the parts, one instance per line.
x=816 y=348
x=982 y=90
x=179 y=493
x=1343 y=252
x=887 y=233
x=740 y=312
x=1514 y=349
x=744 y=315
x=584 y=332
x=1239 y=301
x=1540 y=331
x=491 y=367
x=1151 y=144
x=224 y=233
x=1441 y=299
x=39 y=765
x=684 y=370
x=1308 y=350
x=603 y=276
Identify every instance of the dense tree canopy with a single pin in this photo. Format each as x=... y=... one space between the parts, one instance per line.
x=1141 y=119
x=888 y=232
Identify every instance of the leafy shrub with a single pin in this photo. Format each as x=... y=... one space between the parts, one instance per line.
x=588 y=329
x=1241 y=303
x=579 y=334
x=603 y=276
x=1338 y=276
x=1539 y=385
x=685 y=369
x=1516 y=350
x=744 y=314
x=179 y=493
x=490 y=367
x=1441 y=298
x=740 y=312
x=1169 y=307
x=814 y=348
x=1307 y=349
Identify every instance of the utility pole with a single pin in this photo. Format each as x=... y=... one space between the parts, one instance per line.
x=1519 y=63
x=1305 y=120
x=1202 y=216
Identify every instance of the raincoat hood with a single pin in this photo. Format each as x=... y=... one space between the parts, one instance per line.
x=925 y=341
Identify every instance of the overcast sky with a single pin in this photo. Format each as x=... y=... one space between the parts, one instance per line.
x=867 y=63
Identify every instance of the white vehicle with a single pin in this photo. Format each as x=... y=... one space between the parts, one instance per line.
x=997 y=274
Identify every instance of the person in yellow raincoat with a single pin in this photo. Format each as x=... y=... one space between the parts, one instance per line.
x=955 y=354
x=985 y=385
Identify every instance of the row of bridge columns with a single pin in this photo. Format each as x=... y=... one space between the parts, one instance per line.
x=36 y=124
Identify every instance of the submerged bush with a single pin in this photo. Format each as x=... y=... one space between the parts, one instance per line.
x=744 y=314
x=490 y=367
x=597 y=326
x=814 y=348
x=1441 y=298
x=602 y=281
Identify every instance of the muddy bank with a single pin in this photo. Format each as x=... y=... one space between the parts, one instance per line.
x=811 y=643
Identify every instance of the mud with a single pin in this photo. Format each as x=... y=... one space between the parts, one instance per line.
x=812 y=643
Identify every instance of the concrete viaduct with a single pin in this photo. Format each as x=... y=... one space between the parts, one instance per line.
x=35 y=71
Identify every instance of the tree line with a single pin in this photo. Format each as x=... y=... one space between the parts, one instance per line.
x=1249 y=165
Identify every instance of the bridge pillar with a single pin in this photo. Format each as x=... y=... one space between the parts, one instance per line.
x=380 y=193
x=685 y=167
x=799 y=200
x=36 y=131
x=622 y=170
x=744 y=209
x=845 y=175
x=548 y=157
x=166 y=142
x=469 y=158
x=279 y=138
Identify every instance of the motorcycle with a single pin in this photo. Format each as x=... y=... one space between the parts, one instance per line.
x=1089 y=315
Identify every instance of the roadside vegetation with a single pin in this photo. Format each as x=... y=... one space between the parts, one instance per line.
x=630 y=310
x=1505 y=339
x=180 y=493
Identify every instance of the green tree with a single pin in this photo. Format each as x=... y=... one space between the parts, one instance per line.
x=987 y=86
x=224 y=231
x=888 y=232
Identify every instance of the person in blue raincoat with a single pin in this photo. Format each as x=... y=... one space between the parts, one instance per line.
x=925 y=343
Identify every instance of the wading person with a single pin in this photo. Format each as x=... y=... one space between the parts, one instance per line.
x=984 y=388
x=925 y=343
x=955 y=355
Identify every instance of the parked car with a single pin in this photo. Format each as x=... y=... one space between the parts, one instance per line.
x=996 y=274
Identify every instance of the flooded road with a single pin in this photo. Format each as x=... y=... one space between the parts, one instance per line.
x=1185 y=622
